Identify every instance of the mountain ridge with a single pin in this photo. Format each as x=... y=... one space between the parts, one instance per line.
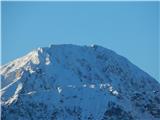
x=59 y=45
x=74 y=76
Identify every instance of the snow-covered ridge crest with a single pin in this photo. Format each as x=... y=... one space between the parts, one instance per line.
x=32 y=57
x=20 y=62
x=14 y=69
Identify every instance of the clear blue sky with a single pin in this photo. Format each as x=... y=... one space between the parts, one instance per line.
x=130 y=29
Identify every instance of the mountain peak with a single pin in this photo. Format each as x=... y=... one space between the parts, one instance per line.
x=77 y=83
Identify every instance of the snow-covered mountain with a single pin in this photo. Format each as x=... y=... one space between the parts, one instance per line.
x=69 y=82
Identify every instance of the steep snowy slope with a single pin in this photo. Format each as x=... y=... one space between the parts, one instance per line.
x=69 y=82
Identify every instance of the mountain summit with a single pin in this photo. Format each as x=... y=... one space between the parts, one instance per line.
x=69 y=82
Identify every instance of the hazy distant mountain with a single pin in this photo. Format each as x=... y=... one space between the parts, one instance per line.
x=69 y=82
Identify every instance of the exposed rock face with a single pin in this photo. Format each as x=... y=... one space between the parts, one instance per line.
x=68 y=82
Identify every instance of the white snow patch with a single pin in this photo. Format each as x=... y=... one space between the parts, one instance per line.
x=31 y=93
x=34 y=57
x=115 y=92
x=110 y=88
x=84 y=85
x=59 y=89
x=71 y=86
x=40 y=49
x=102 y=86
x=15 y=96
x=92 y=86
x=47 y=60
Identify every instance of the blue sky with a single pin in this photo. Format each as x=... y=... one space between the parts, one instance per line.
x=128 y=28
